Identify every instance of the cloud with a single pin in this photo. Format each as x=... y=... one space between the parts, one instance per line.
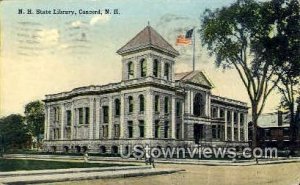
x=76 y=23
x=99 y=19
x=48 y=36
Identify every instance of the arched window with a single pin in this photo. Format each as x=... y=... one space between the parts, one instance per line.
x=130 y=70
x=166 y=105
x=198 y=103
x=130 y=104
x=142 y=103
x=167 y=71
x=143 y=68
x=156 y=103
x=117 y=107
x=155 y=68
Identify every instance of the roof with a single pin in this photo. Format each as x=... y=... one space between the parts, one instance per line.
x=271 y=120
x=148 y=38
x=196 y=77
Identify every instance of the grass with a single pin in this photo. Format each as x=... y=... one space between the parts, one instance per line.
x=20 y=164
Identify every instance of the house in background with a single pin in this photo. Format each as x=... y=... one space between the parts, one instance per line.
x=273 y=130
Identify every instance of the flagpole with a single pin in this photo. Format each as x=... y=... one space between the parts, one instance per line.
x=194 y=49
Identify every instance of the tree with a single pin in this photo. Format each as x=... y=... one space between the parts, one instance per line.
x=283 y=48
x=13 y=132
x=35 y=117
x=231 y=34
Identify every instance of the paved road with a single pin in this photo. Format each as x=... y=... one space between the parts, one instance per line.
x=277 y=174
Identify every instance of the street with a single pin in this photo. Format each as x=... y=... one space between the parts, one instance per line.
x=278 y=174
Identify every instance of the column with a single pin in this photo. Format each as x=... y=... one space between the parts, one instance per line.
x=73 y=118
x=187 y=102
x=83 y=116
x=110 y=117
x=62 y=121
x=162 y=64
x=232 y=125
x=207 y=105
x=182 y=119
x=48 y=122
x=239 y=126
x=122 y=114
x=149 y=114
x=246 y=128
x=173 y=119
x=225 y=126
x=91 y=121
x=149 y=61
x=191 y=102
x=97 y=124
x=218 y=112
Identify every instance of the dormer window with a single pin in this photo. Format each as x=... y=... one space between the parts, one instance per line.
x=143 y=68
x=130 y=70
x=167 y=71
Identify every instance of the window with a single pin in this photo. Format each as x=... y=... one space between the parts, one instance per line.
x=222 y=113
x=178 y=109
x=130 y=104
x=219 y=132
x=214 y=131
x=235 y=117
x=166 y=105
x=87 y=115
x=235 y=134
x=167 y=71
x=156 y=133
x=117 y=130
x=105 y=114
x=141 y=128
x=80 y=112
x=69 y=117
x=214 y=112
x=130 y=70
x=198 y=105
x=143 y=68
x=155 y=68
x=267 y=133
x=166 y=135
x=286 y=132
x=142 y=103
x=156 y=103
x=117 y=107
x=177 y=131
x=241 y=119
x=130 y=130
x=56 y=114
x=229 y=133
x=228 y=116
x=105 y=131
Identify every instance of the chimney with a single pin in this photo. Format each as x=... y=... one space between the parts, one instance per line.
x=280 y=120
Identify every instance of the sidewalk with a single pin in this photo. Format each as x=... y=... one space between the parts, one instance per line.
x=162 y=160
x=48 y=178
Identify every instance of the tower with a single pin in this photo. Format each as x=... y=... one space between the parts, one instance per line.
x=148 y=54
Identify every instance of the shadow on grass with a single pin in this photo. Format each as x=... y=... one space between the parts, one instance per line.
x=20 y=164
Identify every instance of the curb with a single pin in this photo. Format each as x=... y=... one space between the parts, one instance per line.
x=123 y=174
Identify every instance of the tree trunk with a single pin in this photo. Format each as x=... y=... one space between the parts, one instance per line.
x=292 y=126
x=254 y=126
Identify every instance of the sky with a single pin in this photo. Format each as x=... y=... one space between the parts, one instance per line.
x=50 y=53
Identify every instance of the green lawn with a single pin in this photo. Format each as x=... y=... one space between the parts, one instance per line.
x=20 y=164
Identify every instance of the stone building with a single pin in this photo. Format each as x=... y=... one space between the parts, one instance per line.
x=151 y=105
